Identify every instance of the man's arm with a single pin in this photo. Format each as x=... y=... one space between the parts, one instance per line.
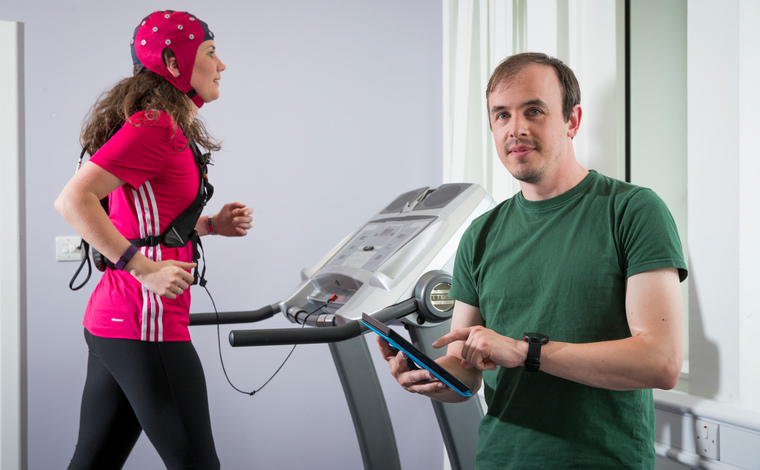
x=650 y=358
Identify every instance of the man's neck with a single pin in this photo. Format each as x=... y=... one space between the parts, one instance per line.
x=554 y=184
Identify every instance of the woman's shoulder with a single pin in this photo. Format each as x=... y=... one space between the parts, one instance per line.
x=151 y=117
x=158 y=124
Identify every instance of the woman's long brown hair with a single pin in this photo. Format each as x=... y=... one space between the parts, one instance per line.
x=146 y=91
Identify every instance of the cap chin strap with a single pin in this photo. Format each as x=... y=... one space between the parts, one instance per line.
x=193 y=95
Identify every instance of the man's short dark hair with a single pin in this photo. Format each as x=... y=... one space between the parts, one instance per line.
x=512 y=65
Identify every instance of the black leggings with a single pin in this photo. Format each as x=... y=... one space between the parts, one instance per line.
x=135 y=385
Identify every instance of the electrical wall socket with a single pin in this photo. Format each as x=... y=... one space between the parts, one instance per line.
x=67 y=248
x=707 y=434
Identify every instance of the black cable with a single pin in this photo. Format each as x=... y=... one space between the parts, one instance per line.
x=221 y=357
x=289 y=354
x=84 y=248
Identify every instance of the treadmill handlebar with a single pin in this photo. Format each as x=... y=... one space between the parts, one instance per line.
x=224 y=318
x=331 y=334
x=278 y=336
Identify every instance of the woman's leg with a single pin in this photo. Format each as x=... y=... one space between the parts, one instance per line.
x=187 y=395
x=166 y=388
x=108 y=428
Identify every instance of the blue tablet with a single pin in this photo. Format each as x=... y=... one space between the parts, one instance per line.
x=418 y=357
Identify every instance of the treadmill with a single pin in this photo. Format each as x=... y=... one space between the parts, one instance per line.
x=397 y=268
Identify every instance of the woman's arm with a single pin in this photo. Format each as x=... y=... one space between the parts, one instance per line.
x=234 y=220
x=79 y=204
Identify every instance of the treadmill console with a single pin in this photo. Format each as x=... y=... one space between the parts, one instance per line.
x=379 y=264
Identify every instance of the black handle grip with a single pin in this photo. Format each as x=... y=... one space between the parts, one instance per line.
x=224 y=318
x=280 y=336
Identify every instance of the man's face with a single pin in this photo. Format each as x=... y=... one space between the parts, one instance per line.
x=529 y=129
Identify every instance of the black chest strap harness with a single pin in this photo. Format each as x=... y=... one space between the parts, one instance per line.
x=178 y=234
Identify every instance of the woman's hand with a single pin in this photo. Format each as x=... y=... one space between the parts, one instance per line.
x=168 y=278
x=234 y=220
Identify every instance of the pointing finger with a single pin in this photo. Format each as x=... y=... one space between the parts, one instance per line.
x=456 y=335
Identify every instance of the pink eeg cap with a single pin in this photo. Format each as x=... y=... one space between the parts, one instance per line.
x=181 y=32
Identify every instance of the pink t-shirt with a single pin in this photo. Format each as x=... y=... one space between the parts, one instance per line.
x=161 y=182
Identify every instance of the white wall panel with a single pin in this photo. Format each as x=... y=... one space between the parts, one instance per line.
x=12 y=248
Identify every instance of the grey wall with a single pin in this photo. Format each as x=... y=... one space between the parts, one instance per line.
x=329 y=110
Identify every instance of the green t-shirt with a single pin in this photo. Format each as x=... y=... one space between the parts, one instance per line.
x=559 y=267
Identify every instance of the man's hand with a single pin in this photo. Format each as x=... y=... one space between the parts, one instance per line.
x=415 y=381
x=484 y=349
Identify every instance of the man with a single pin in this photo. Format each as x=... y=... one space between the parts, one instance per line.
x=592 y=263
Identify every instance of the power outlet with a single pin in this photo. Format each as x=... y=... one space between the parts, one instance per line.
x=707 y=434
x=67 y=248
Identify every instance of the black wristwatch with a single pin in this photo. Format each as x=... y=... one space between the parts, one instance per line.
x=535 y=341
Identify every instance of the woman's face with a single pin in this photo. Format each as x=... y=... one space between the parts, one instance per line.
x=207 y=72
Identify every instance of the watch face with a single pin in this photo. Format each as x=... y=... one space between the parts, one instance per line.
x=535 y=338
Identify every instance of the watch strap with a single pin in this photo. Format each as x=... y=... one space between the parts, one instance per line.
x=533 y=361
x=124 y=259
x=210 y=225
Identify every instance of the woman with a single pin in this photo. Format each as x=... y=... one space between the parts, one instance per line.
x=143 y=373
